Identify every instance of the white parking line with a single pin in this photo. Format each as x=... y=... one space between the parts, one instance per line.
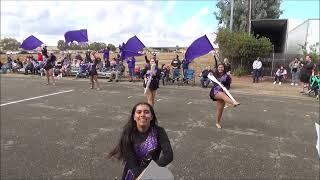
x=37 y=97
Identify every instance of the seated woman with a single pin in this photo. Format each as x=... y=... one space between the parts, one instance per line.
x=142 y=140
x=83 y=70
x=280 y=74
x=66 y=67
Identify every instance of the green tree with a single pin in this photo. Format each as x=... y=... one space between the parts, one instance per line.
x=112 y=47
x=260 y=9
x=74 y=46
x=62 y=46
x=97 y=46
x=7 y=44
x=241 y=48
x=313 y=51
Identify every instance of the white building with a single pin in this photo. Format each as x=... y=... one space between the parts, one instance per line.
x=307 y=33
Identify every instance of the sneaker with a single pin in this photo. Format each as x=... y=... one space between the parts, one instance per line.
x=296 y=84
x=292 y=84
x=275 y=82
x=279 y=83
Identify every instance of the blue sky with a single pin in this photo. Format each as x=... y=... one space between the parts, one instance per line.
x=300 y=9
x=156 y=23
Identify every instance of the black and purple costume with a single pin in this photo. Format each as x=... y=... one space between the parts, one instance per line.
x=146 y=147
x=49 y=63
x=93 y=67
x=154 y=83
x=225 y=80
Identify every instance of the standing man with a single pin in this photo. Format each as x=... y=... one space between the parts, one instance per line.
x=257 y=67
x=106 y=58
x=306 y=72
x=131 y=61
x=176 y=64
x=227 y=66
x=185 y=66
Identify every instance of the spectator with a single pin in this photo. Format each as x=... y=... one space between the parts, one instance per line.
x=14 y=66
x=78 y=57
x=204 y=80
x=44 y=52
x=40 y=57
x=131 y=61
x=35 y=65
x=295 y=67
x=117 y=71
x=176 y=64
x=164 y=74
x=257 y=68
x=306 y=72
x=9 y=63
x=83 y=70
x=19 y=63
x=66 y=67
x=227 y=66
x=29 y=66
x=185 y=66
x=88 y=58
x=106 y=54
x=280 y=75
x=137 y=72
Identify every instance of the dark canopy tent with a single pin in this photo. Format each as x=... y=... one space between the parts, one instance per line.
x=274 y=29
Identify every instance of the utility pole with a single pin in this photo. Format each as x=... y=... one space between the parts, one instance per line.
x=249 y=18
x=231 y=16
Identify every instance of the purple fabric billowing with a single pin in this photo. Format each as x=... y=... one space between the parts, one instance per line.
x=31 y=43
x=133 y=47
x=150 y=144
x=199 y=47
x=76 y=35
x=126 y=54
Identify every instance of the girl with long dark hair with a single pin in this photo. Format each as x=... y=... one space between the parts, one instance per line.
x=217 y=94
x=142 y=140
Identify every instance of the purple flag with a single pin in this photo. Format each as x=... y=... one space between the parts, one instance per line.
x=134 y=44
x=121 y=47
x=125 y=54
x=199 y=47
x=133 y=47
x=77 y=35
x=31 y=43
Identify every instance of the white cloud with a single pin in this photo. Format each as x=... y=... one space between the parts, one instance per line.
x=195 y=27
x=107 y=21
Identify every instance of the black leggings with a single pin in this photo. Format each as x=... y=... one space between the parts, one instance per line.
x=278 y=78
